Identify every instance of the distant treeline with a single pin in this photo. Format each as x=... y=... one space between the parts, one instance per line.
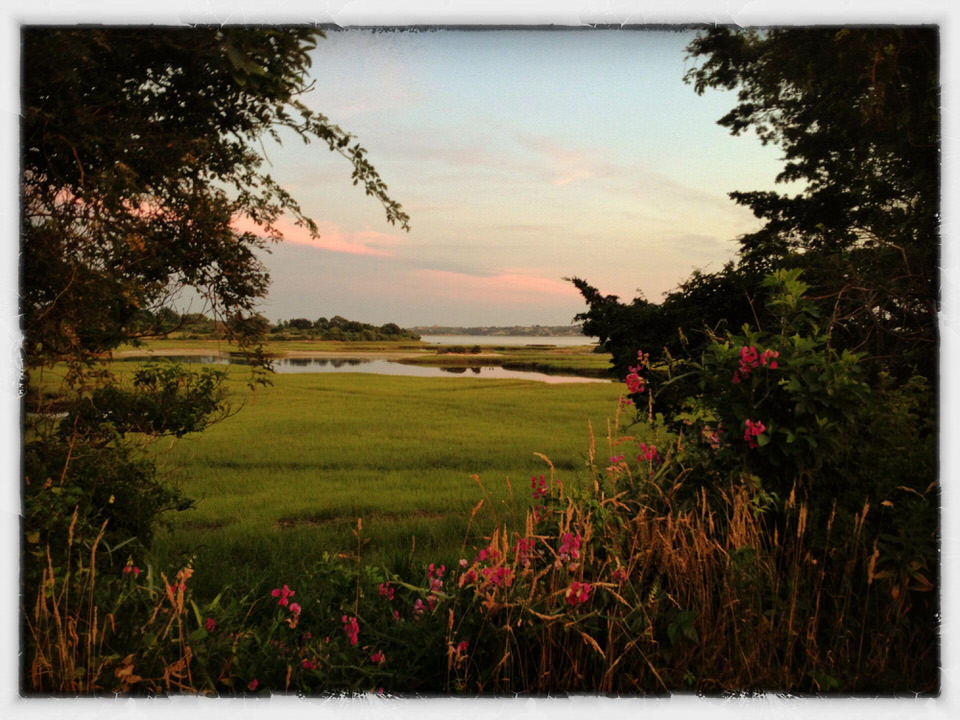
x=532 y=330
x=198 y=325
x=339 y=328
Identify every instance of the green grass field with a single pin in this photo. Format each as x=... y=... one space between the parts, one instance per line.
x=286 y=478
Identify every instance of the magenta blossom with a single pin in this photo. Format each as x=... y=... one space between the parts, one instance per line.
x=570 y=546
x=578 y=593
x=284 y=594
x=539 y=487
x=753 y=430
x=352 y=628
x=750 y=360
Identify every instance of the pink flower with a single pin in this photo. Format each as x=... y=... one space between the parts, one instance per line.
x=494 y=577
x=578 y=593
x=462 y=646
x=418 y=609
x=570 y=546
x=539 y=487
x=753 y=429
x=210 y=624
x=253 y=685
x=750 y=359
x=308 y=664
x=294 y=608
x=435 y=577
x=283 y=594
x=352 y=628
x=648 y=453
x=635 y=383
x=378 y=657
x=523 y=549
x=386 y=591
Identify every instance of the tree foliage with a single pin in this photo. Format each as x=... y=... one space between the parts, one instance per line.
x=856 y=114
x=141 y=152
x=141 y=167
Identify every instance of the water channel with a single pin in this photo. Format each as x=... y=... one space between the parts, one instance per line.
x=376 y=366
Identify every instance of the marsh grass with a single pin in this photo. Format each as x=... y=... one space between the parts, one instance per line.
x=281 y=482
x=705 y=593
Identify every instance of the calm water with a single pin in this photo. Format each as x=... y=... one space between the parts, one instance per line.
x=377 y=367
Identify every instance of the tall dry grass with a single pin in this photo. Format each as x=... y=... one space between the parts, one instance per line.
x=76 y=645
x=714 y=594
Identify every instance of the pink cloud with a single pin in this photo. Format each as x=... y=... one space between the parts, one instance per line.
x=506 y=287
x=363 y=242
x=566 y=164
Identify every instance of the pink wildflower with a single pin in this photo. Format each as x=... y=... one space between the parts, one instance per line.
x=210 y=624
x=539 y=487
x=378 y=657
x=386 y=591
x=252 y=686
x=570 y=546
x=308 y=664
x=418 y=609
x=284 y=594
x=753 y=429
x=648 y=453
x=523 y=549
x=578 y=593
x=750 y=360
x=294 y=608
x=494 y=577
x=635 y=383
x=351 y=628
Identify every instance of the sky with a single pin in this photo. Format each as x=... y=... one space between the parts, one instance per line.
x=522 y=158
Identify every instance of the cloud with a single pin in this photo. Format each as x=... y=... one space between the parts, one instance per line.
x=507 y=286
x=332 y=238
x=566 y=164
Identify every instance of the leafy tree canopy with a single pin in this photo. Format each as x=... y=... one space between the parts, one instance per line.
x=856 y=114
x=140 y=151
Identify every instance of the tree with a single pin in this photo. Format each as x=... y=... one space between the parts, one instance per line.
x=140 y=157
x=856 y=113
x=140 y=153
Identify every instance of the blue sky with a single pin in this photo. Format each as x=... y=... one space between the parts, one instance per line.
x=522 y=157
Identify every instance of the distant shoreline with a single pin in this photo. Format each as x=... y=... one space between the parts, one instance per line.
x=544 y=331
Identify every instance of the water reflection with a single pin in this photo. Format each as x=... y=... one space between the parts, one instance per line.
x=375 y=366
